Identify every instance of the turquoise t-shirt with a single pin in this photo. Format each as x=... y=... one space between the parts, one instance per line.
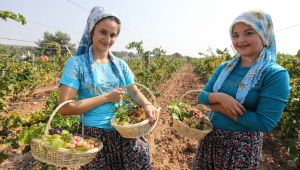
x=264 y=103
x=97 y=81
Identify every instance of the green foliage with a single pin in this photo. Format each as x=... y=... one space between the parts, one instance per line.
x=158 y=71
x=19 y=77
x=32 y=125
x=15 y=50
x=155 y=67
x=122 y=110
x=55 y=141
x=177 y=109
x=138 y=46
x=205 y=66
x=10 y=15
x=158 y=52
x=298 y=54
x=290 y=121
x=36 y=131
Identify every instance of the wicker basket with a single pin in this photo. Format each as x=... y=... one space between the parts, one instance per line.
x=185 y=130
x=61 y=157
x=139 y=129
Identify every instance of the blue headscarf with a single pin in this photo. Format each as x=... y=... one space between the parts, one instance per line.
x=262 y=24
x=97 y=13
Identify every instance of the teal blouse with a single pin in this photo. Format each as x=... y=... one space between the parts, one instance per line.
x=264 y=103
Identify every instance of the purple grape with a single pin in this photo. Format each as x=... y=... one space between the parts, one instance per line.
x=52 y=131
x=57 y=131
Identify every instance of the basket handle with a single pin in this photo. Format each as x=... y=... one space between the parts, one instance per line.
x=48 y=126
x=152 y=95
x=157 y=118
x=191 y=91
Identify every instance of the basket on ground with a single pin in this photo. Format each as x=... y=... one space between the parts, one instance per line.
x=184 y=122
x=62 y=157
x=138 y=129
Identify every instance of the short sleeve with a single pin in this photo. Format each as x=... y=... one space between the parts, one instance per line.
x=69 y=75
x=128 y=74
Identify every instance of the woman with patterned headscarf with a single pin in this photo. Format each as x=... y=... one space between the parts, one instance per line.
x=94 y=77
x=247 y=96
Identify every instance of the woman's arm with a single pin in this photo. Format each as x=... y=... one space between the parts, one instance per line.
x=81 y=106
x=229 y=105
x=272 y=99
x=220 y=101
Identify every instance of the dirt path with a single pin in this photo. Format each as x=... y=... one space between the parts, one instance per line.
x=168 y=149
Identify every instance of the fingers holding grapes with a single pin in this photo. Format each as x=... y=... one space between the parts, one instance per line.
x=116 y=95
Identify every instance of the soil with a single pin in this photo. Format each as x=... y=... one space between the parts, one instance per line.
x=33 y=101
x=168 y=149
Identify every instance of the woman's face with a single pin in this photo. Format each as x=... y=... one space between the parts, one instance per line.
x=105 y=34
x=246 y=41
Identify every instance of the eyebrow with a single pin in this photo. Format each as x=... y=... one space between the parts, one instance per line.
x=250 y=29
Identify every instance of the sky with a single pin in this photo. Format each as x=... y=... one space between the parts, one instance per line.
x=184 y=26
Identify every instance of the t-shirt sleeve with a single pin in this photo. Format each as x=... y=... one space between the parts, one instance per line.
x=273 y=98
x=69 y=75
x=128 y=74
x=208 y=88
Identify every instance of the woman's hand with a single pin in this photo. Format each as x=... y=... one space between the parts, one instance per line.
x=152 y=113
x=220 y=108
x=230 y=105
x=116 y=95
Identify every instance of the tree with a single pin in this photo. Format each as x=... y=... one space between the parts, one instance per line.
x=177 y=55
x=10 y=15
x=138 y=46
x=158 y=52
x=48 y=45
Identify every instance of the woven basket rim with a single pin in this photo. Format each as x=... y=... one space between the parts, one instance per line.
x=115 y=124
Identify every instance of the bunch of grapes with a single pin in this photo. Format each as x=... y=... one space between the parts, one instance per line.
x=194 y=118
x=195 y=112
x=63 y=139
x=78 y=143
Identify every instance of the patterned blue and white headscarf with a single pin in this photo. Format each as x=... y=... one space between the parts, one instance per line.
x=262 y=24
x=96 y=14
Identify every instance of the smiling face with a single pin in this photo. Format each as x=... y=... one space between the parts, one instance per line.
x=246 y=41
x=105 y=34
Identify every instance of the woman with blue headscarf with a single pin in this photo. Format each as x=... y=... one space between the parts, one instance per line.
x=247 y=96
x=94 y=77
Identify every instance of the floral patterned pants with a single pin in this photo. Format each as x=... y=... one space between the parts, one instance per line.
x=118 y=153
x=229 y=150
